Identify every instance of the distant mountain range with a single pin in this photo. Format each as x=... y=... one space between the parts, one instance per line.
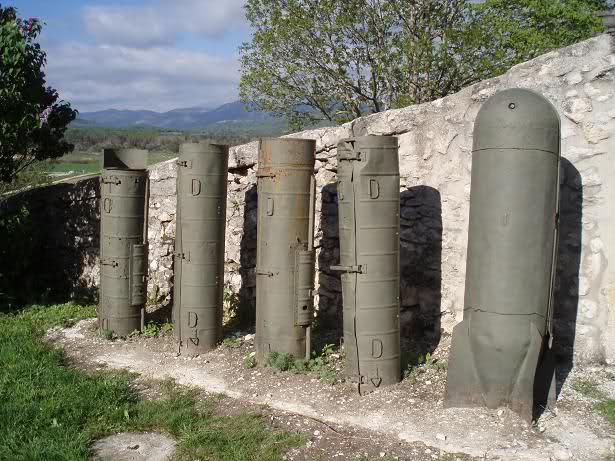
x=178 y=119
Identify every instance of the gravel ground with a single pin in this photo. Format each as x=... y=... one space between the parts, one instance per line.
x=406 y=421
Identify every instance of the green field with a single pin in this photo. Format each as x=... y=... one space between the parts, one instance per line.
x=78 y=163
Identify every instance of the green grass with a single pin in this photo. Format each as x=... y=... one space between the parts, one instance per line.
x=604 y=405
x=49 y=411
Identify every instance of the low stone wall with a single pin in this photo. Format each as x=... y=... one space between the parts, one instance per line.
x=435 y=160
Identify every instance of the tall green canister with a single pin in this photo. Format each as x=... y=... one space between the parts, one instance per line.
x=285 y=254
x=501 y=352
x=368 y=198
x=124 y=201
x=198 y=290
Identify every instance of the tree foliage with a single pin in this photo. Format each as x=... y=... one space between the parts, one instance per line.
x=32 y=118
x=311 y=60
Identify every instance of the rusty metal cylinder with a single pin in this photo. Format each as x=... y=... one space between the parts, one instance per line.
x=285 y=255
x=368 y=198
x=198 y=288
x=124 y=190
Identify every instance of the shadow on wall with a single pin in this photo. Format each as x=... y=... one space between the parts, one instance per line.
x=329 y=327
x=54 y=243
x=420 y=270
x=568 y=265
x=246 y=311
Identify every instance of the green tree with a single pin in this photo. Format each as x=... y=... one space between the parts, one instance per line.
x=32 y=118
x=312 y=60
x=520 y=30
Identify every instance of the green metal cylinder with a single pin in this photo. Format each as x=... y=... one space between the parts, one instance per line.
x=503 y=343
x=368 y=198
x=285 y=256
x=123 y=245
x=198 y=288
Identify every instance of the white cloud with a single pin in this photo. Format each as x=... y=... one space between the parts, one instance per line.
x=94 y=77
x=159 y=22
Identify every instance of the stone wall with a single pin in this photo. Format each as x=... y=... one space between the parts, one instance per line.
x=435 y=159
x=54 y=250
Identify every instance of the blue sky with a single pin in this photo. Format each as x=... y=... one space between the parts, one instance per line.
x=141 y=54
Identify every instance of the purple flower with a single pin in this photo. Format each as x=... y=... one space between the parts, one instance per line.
x=45 y=115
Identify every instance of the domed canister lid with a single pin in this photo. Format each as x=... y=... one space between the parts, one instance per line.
x=517 y=119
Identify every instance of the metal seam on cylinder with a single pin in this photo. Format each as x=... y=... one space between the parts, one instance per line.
x=199 y=259
x=366 y=259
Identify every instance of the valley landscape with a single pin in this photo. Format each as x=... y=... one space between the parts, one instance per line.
x=159 y=132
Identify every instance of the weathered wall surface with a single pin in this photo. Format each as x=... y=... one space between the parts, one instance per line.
x=435 y=159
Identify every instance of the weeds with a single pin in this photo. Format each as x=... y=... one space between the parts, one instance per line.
x=233 y=341
x=231 y=303
x=422 y=364
x=154 y=330
x=108 y=335
x=249 y=360
x=320 y=364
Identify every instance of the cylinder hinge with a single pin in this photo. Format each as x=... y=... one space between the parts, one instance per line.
x=360 y=269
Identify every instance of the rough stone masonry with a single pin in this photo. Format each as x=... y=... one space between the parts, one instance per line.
x=435 y=160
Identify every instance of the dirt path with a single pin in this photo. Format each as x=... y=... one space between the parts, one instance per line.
x=407 y=413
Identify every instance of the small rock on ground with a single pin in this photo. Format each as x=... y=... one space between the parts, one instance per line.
x=134 y=446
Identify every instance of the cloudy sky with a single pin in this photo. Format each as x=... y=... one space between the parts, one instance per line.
x=141 y=54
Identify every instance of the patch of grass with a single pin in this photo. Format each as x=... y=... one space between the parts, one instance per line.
x=232 y=341
x=320 y=363
x=607 y=408
x=587 y=388
x=421 y=364
x=49 y=411
x=604 y=405
x=192 y=420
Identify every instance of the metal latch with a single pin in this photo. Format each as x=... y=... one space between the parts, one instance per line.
x=113 y=180
x=354 y=155
x=268 y=274
x=266 y=175
x=109 y=262
x=360 y=269
x=184 y=163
